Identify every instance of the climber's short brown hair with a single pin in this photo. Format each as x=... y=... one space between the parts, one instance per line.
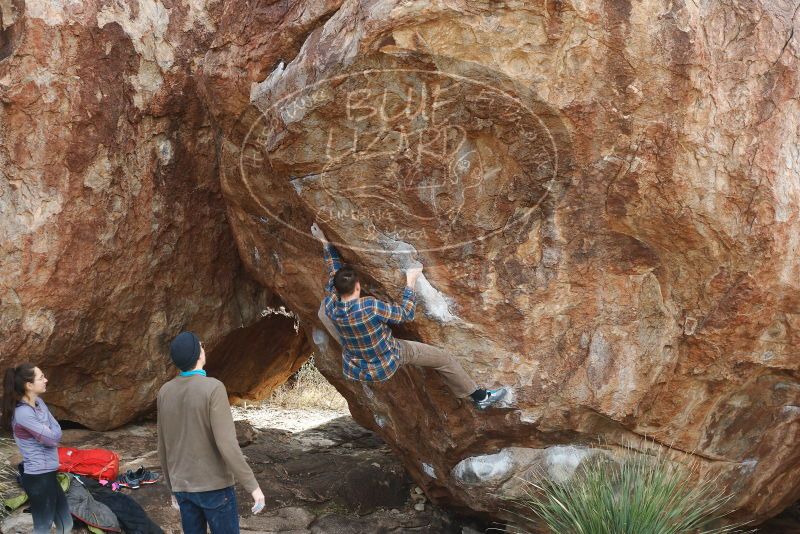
x=345 y=280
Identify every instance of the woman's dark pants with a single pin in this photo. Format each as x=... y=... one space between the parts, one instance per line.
x=48 y=503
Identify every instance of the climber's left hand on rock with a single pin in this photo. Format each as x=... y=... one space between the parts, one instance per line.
x=317 y=232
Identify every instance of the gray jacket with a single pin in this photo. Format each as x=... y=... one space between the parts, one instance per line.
x=83 y=506
x=37 y=434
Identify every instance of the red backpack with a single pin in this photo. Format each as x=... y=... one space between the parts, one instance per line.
x=101 y=464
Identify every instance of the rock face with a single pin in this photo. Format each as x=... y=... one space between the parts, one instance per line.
x=113 y=233
x=604 y=195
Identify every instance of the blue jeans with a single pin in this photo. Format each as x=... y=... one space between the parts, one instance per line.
x=48 y=503
x=215 y=508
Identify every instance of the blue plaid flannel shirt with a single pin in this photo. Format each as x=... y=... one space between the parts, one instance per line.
x=369 y=351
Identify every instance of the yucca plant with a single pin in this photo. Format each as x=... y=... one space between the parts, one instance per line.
x=641 y=494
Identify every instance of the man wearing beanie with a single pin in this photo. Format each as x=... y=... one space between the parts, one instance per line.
x=197 y=444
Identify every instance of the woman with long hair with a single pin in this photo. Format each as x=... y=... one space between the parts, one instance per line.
x=37 y=434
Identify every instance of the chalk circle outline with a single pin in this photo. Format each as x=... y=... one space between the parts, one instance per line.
x=516 y=220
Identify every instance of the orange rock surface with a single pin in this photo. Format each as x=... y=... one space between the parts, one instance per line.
x=604 y=195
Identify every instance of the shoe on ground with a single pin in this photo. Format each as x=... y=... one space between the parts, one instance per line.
x=128 y=480
x=146 y=477
x=493 y=396
x=134 y=479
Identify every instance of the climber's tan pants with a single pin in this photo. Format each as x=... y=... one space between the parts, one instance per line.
x=422 y=355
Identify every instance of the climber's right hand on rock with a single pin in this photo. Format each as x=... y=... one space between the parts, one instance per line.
x=317 y=232
x=412 y=275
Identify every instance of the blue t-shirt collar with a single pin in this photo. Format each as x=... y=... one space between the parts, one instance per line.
x=200 y=372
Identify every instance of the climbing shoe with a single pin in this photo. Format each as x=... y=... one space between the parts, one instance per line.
x=493 y=396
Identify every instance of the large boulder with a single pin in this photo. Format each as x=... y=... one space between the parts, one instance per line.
x=113 y=231
x=605 y=197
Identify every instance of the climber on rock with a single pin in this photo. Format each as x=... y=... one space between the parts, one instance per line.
x=370 y=353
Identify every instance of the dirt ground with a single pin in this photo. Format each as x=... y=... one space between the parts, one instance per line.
x=320 y=471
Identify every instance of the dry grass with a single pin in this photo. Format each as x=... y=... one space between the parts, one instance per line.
x=308 y=389
x=8 y=474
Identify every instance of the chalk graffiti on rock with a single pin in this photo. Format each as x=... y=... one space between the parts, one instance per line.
x=421 y=156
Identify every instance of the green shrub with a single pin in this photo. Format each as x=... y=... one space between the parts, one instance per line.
x=639 y=495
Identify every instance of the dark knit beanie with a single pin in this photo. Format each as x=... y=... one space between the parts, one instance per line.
x=185 y=350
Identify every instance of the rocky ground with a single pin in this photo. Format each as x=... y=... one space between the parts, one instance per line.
x=334 y=478
x=321 y=472
x=266 y=416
